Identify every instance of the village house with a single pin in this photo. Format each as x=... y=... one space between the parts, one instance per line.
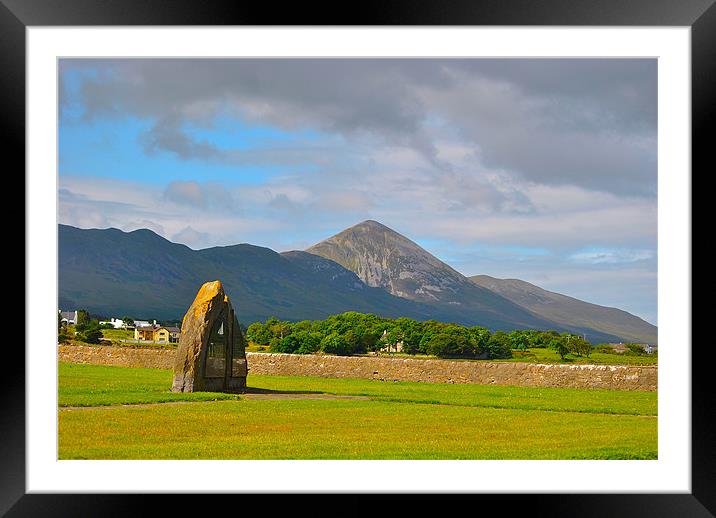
x=157 y=333
x=619 y=348
x=396 y=347
x=68 y=317
x=168 y=334
x=622 y=348
x=116 y=323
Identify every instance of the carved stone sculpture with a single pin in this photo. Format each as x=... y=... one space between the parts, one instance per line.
x=211 y=355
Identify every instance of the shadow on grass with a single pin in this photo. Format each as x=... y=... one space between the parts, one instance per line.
x=254 y=390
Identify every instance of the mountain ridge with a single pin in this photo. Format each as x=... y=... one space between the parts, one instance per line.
x=112 y=272
x=140 y=273
x=382 y=257
x=563 y=308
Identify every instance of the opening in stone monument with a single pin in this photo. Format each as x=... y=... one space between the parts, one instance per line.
x=215 y=360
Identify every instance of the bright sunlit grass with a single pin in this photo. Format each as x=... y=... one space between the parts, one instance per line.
x=400 y=420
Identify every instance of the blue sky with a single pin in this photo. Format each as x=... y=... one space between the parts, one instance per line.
x=543 y=170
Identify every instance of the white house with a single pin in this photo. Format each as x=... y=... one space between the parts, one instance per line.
x=144 y=323
x=115 y=322
x=68 y=317
x=391 y=347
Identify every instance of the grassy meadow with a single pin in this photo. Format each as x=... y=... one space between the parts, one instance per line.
x=118 y=334
x=129 y=413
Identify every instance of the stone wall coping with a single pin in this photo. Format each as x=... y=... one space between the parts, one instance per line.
x=587 y=366
x=614 y=377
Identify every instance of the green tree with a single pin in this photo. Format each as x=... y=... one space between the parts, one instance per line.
x=258 y=333
x=499 y=345
x=635 y=349
x=89 y=332
x=559 y=344
x=480 y=337
x=579 y=346
x=303 y=325
x=334 y=343
x=83 y=317
x=287 y=344
x=452 y=341
x=310 y=341
x=62 y=334
x=352 y=342
x=277 y=328
x=519 y=340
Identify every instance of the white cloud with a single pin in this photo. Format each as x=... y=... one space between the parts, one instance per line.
x=190 y=237
x=612 y=256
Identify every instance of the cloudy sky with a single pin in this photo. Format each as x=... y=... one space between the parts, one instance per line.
x=539 y=169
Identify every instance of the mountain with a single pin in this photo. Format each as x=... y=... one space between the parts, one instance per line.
x=386 y=259
x=569 y=311
x=383 y=258
x=141 y=274
x=368 y=268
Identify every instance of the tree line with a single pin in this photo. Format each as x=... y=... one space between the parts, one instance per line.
x=359 y=333
x=86 y=329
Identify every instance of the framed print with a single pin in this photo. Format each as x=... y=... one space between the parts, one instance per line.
x=187 y=166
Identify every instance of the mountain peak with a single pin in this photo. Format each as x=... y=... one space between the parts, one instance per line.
x=383 y=258
x=371 y=223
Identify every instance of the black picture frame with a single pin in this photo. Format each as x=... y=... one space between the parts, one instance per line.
x=700 y=15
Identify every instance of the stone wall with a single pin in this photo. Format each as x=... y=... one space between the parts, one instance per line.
x=616 y=377
x=120 y=356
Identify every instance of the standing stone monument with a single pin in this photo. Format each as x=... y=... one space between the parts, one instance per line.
x=211 y=355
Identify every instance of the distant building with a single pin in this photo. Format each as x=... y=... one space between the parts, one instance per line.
x=168 y=334
x=397 y=347
x=157 y=333
x=143 y=332
x=68 y=317
x=117 y=323
x=143 y=323
x=620 y=347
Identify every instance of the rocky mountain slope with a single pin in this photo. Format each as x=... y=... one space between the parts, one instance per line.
x=384 y=258
x=569 y=311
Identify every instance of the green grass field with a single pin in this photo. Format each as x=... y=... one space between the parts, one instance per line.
x=539 y=355
x=127 y=413
x=118 y=334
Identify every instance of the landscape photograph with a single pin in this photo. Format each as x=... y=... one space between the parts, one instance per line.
x=357 y=259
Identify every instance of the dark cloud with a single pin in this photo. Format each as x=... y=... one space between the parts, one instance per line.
x=586 y=122
x=167 y=135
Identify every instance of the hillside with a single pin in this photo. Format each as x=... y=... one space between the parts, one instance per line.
x=141 y=274
x=367 y=268
x=569 y=311
x=386 y=259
